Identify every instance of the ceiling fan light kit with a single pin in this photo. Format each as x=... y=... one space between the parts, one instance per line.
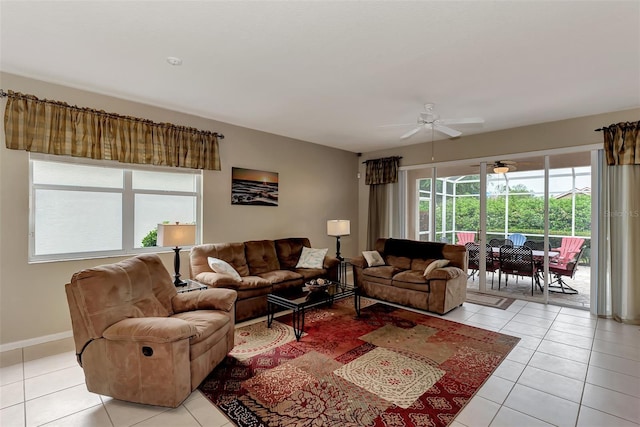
x=501 y=169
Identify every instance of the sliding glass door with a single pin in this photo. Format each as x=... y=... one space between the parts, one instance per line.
x=539 y=203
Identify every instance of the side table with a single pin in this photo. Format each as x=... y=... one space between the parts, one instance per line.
x=192 y=285
x=342 y=269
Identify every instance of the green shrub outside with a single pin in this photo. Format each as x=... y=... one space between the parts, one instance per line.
x=150 y=239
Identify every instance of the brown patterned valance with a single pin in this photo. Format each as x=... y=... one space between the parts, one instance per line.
x=622 y=143
x=54 y=127
x=382 y=171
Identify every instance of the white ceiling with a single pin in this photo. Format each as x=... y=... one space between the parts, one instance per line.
x=333 y=72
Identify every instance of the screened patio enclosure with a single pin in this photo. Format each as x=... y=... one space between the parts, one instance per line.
x=517 y=205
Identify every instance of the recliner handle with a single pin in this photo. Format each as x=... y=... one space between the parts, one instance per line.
x=79 y=355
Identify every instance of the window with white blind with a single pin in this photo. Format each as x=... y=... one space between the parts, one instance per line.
x=87 y=209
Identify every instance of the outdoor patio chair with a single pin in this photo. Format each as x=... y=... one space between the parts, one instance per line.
x=519 y=262
x=517 y=239
x=566 y=269
x=569 y=248
x=536 y=246
x=496 y=243
x=474 y=260
x=465 y=237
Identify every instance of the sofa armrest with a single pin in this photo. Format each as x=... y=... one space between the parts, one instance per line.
x=330 y=262
x=217 y=280
x=359 y=261
x=206 y=299
x=150 y=329
x=445 y=273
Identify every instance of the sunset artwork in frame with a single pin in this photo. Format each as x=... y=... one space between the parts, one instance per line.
x=254 y=187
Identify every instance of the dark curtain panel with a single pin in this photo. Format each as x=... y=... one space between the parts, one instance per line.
x=380 y=172
x=622 y=143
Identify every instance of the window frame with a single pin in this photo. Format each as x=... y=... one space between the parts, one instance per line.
x=128 y=205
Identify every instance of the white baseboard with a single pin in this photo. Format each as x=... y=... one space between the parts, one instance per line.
x=35 y=341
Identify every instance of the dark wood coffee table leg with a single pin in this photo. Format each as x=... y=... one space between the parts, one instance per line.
x=356 y=302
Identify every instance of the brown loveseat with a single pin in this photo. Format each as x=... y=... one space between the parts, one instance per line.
x=401 y=280
x=139 y=340
x=264 y=266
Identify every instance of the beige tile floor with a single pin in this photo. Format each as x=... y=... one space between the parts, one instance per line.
x=569 y=369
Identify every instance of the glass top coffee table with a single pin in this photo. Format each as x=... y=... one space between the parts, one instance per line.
x=310 y=296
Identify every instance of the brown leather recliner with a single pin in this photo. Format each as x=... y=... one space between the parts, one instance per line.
x=139 y=340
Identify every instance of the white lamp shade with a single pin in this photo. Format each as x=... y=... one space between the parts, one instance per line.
x=176 y=235
x=338 y=227
x=501 y=169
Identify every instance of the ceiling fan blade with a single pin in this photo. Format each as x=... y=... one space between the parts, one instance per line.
x=512 y=168
x=411 y=133
x=447 y=130
x=468 y=120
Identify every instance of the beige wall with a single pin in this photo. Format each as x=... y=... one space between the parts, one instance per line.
x=316 y=183
x=501 y=144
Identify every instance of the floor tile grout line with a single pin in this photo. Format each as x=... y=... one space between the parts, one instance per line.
x=615 y=372
x=68 y=415
x=609 y=413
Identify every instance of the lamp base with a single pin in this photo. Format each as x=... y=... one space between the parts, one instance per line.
x=176 y=264
x=179 y=283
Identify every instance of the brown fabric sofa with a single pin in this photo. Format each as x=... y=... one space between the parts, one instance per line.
x=264 y=266
x=401 y=279
x=139 y=340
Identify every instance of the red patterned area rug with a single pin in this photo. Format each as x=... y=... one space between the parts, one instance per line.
x=389 y=367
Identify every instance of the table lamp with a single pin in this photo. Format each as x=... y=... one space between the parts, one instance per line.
x=337 y=228
x=176 y=235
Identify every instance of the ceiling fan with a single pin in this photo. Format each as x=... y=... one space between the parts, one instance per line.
x=503 y=166
x=428 y=119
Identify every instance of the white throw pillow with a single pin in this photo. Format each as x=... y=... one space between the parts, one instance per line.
x=311 y=258
x=223 y=267
x=439 y=263
x=373 y=258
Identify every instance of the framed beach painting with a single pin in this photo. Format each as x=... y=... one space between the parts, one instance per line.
x=254 y=187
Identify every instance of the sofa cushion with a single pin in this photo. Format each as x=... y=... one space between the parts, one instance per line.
x=312 y=258
x=383 y=271
x=252 y=286
x=206 y=322
x=218 y=280
x=289 y=250
x=403 y=263
x=278 y=276
x=261 y=256
x=420 y=264
x=411 y=279
x=439 y=263
x=232 y=253
x=311 y=273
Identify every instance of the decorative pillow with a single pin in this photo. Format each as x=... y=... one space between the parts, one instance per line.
x=373 y=258
x=311 y=258
x=439 y=263
x=223 y=267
